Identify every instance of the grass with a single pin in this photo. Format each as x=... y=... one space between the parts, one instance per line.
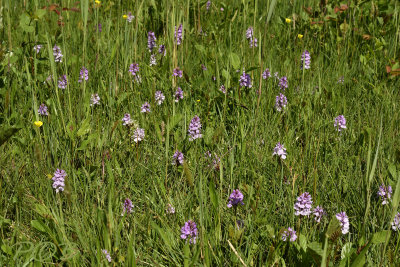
x=341 y=170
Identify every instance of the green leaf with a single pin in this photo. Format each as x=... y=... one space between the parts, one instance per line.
x=271 y=10
x=174 y=121
x=333 y=227
x=235 y=61
x=200 y=48
x=270 y=231
x=346 y=250
x=252 y=68
x=213 y=194
x=396 y=197
x=187 y=173
x=359 y=261
x=85 y=127
x=208 y=135
x=380 y=237
x=316 y=248
x=162 y=233
x=226 y=74
x=88 y=141
x=42 y=210
x=6 y=249
x=39 y=14
x=392 y=170
x=6 y=132
x=303 y=242
x=4 y=221
x=40 y=226
x=24 y=23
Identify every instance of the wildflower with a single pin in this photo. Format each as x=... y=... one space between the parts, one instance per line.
x=37 y=48
x=266 y=74
x=94 y=100
x=249 y=33
x=161 y=50
x=303 y=205
x=59 y=180
x=245 y=80
x=280 y=102
x=63 y=82
x=288 y=20
x=202 y=32
x=189 y=231
x=283 y=83
x=253 y=42
x=300 y=36
x=137 y=78
x=124 y=16
x=99 y=27
x=195 y=128
x=153 y=60
x=215 y=161
x=151 y=41
x=130 y=17
x=43 y=110
x=134 y=68
x=57 y=54
x=250 y=37
x=97 y=2
x=305 y=60
x=214 y=78
x=239 y=224
x=276 y=75
x=203 y=67
x=170 y=209
x=178 y=94
x=289 y=233
x=340 y=123
x=128 y=206
x=208 y=5
x=280 y=150
x=38 y=123
x=235 y=199
x=159 y=97
x=49 y=78
x=138 y=135
x=126 y=120
x=145 y=108
x=223 y=89
x=83 y=74
x=396 y=222
x=108 y=257
x=341 y=80
x=344 y=222
x=177 y=158
x=177 y=72
x=178 y=35
x=222 y=9
x=385 y=192
x=318 y=213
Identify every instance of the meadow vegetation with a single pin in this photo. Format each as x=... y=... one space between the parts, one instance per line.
x=199 y=133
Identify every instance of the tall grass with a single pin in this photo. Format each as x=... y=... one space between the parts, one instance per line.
x=104 y=166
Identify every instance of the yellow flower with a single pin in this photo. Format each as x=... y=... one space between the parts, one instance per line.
x=125 y=16
x=198 y=100
x=300 y=36
x=97 y=2
x=38 y=123
x=288 y=20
